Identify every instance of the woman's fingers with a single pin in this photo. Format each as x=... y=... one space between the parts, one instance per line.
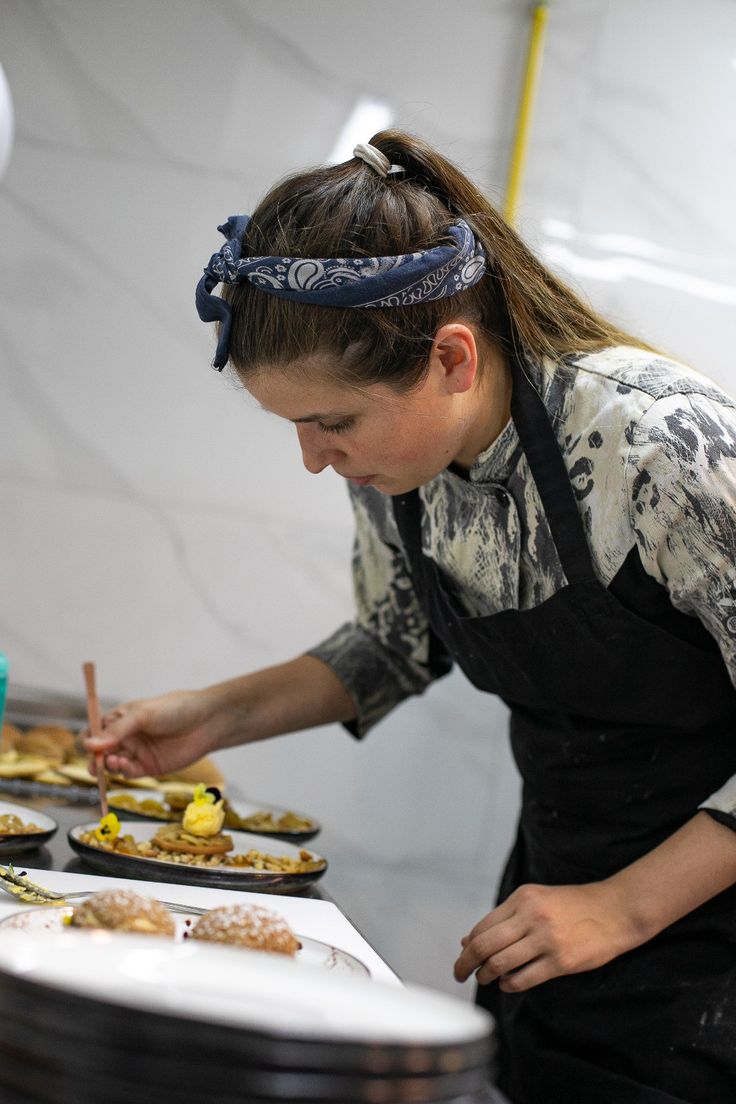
x=118 y=724
x=513 y=957
x=122 y=763
x=113 y=715
x=533 y=973
x=123 y=742
x=498 y=915
x=552 y=931
x=489 y=944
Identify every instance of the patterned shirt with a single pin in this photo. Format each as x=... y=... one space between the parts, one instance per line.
x=650 y=448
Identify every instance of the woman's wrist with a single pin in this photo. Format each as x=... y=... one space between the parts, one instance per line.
x=225 y=713
x=688 y=868
x=639 y=917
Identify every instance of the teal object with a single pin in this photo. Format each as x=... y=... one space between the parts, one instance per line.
x=4 y=667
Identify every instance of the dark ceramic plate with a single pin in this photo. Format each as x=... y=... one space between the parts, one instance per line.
x=216 y=877
x=13 y=843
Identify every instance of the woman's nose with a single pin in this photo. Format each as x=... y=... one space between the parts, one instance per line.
x=316 y=454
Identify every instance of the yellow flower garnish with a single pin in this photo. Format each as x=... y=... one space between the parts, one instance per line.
x=108 y=828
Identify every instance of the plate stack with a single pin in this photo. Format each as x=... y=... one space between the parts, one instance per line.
x=93 y=1016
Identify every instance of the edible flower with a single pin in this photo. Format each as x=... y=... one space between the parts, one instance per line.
x=108 y=828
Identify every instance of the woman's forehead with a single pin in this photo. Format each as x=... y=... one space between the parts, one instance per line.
x=302 y=395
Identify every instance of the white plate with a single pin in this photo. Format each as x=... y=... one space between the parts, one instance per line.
x=50 y=918
x=203 y=982
x=220 y=877
x=11 y=842
x=241 y=808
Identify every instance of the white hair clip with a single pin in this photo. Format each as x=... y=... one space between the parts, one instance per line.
x=377 y=160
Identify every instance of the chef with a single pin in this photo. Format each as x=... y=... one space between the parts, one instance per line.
x=550 y=504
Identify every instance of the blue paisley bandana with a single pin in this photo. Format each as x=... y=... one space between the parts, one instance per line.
x=397 y=281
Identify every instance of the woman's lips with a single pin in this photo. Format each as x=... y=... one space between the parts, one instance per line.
x=361 y=480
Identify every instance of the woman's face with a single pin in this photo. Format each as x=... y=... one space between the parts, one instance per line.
x=394 y=441
x=374 y=436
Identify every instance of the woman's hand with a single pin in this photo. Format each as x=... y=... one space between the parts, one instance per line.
x=541 y=932
x=159 y=735
x=156 y=735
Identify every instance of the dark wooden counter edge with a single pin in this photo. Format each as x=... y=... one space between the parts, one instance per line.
x=58 y=855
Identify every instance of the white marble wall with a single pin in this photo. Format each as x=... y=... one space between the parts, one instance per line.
x=153 y=517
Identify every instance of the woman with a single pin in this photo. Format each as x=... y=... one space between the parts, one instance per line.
x=549 y=503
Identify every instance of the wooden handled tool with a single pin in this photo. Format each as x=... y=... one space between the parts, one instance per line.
x=94 y=717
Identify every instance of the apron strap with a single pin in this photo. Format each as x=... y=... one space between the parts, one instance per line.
x=408 y=515
x=550 y=473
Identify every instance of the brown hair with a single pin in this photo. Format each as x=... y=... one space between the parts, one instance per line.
x=349 y=210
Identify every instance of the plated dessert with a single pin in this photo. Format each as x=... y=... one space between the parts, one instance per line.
x=12 y=825
x=196 y=850
x=167 y=804
x=124 y=911
x=22 y=829
x=172 y=845
x=250 y=927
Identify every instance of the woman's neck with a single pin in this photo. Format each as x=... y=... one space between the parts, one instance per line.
x=489 y=409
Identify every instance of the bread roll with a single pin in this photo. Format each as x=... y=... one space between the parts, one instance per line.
x=122 y=910
x=204 y=770
x=51 y=741
x=10 y=737
x=250 y=926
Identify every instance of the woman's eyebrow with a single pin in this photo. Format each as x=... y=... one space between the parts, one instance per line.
x=318 y=417
x=309 y=417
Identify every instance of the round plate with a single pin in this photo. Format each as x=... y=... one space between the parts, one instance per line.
x=12 y=843
x=246 y=1025
x=240 y=808
x=223 y=877
x=208 y=983
x=50 y=918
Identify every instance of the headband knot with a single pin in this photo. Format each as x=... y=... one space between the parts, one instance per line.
x=365 y=282
x=376 y=159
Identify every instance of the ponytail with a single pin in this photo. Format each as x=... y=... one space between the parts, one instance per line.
x=349 y=210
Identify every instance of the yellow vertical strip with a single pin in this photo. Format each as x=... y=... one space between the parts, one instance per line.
x=534 y=55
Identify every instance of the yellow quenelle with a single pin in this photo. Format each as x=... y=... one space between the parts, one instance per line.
x=204 y=815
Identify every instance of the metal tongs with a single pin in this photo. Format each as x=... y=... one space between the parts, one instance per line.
x=23 y=889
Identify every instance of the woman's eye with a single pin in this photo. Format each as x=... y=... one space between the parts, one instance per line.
x=336 y=427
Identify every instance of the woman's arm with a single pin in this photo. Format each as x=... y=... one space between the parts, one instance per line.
x=355 y=677
x=159 y=735
x=301 y=693
x=681 y=475
x=541 y=932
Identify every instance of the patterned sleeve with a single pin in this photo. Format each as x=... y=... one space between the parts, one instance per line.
x=388 y=652
x=682 y=481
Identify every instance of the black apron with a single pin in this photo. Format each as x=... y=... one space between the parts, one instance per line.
x=623 y=719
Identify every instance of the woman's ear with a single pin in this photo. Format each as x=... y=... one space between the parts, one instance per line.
x=455 y=354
